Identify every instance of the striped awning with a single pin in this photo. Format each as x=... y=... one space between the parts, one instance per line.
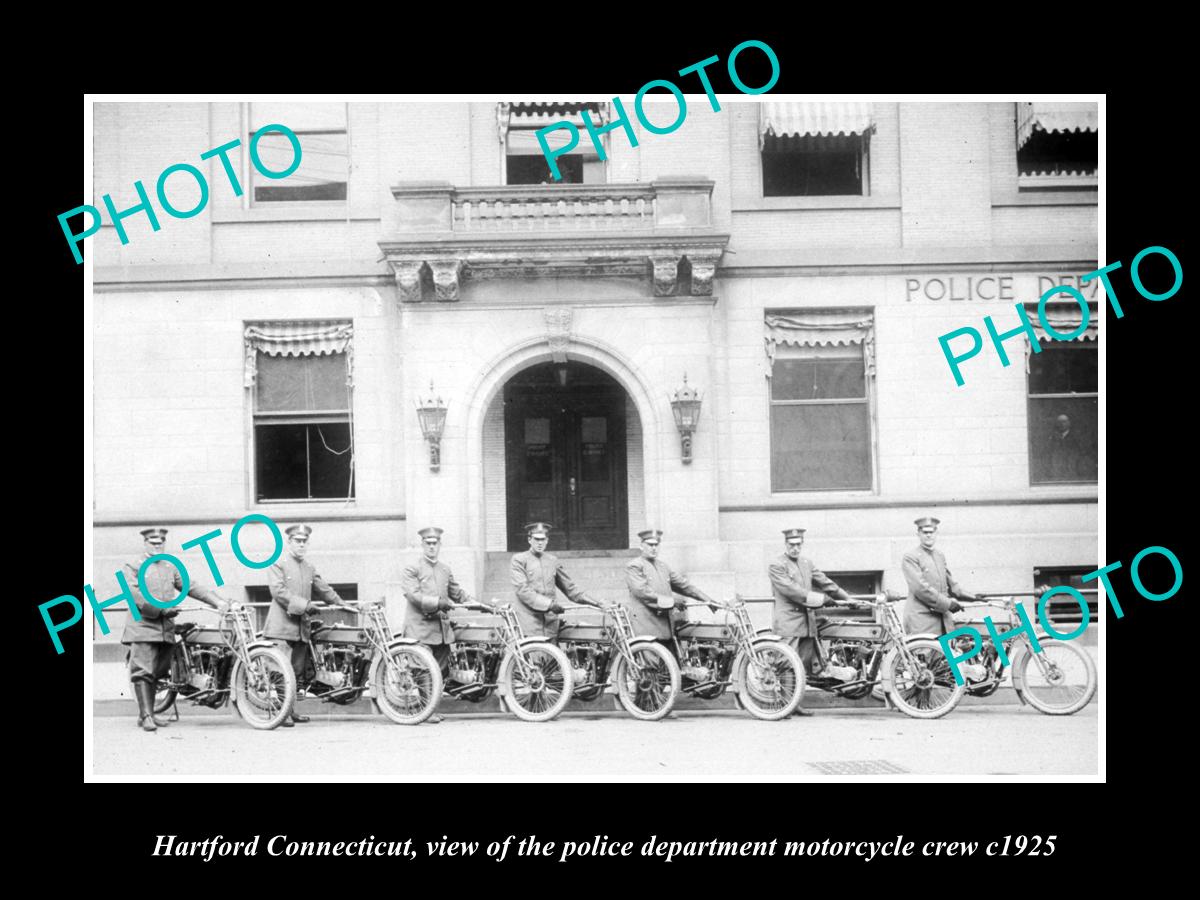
x=1064 y=318
x=310 y=338
x=1052 y=117
x=553 y=108
x=822 y=328
x=814 y=119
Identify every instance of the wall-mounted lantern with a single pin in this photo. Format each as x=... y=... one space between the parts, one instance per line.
x=686 y=407
x=431 y=411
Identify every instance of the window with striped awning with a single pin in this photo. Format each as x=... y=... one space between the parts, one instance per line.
x=815 y=149
x=1057 y=146
x=524 y=159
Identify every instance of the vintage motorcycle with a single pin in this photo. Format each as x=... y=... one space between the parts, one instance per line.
x=606 y=655
x=212 y=665
x=491 y=654
x=766 y=674
x=911 y=670
x=1058 y=681
x=347 y=661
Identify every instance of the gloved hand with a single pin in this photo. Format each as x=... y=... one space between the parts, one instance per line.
x=556 y=608
x=170 y=613
x=714 y=607
x=444 y=603
x=955 y=606
x=680 y=603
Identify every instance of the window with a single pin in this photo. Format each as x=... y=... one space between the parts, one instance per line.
x=324 y=158
x=300 y=375
x=258 y=597
x=815 y=149
x=821 y=371
x=855 y=583
x=1056 y=146
x=1063 y=412
x=1063 y=611
x=524 y=161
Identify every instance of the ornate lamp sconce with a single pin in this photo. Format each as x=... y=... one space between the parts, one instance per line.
x=686 y=407
x=431 y=412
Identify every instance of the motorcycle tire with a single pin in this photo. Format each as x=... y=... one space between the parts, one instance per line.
x=929 y=691
x=771 y=686
x=1059 y=681
x=409 y=689
x=545 y=692
x=650 y=695
x=164 y=694
x=266 y=695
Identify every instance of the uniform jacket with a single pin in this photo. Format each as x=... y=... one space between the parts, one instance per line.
x=930 y=588
x=293 y=583
x=425 y=584
x=534 y=580
x=791 y=583
x=163 y=581
x=647 y=580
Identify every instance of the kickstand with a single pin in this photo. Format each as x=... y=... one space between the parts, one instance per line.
x=175 y=710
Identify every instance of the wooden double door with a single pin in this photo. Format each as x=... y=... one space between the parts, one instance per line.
x=565 y=460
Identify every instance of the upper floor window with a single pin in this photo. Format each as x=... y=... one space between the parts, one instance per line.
x=301 y=376
x=822 y=368
x=524 y=161
x=1056 y=146
x=325 y=152
x=1063 y=402
x=815 y=149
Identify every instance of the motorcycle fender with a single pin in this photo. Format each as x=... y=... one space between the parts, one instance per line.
x=889 y=683
x=254 y=644
x=402 y=642
x=1018 y=682
x=643 y=639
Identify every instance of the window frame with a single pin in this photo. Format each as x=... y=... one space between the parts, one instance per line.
x=1060 y=347
x=249 y=172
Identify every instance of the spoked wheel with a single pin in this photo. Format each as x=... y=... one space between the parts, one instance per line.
x=1058 y=681
x=649 y=691
x=924 y=688
x=771 y=685
x=264 y=690
x=408 y=684
x=541 y=688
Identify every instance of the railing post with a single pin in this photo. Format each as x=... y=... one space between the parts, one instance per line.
x=424 y=206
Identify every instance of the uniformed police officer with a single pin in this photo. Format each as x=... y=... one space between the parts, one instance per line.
x=293 y=581
x=653 y=608
x=430 y=589
x=933 y=594
x=793 y=578
x=535 y=576
x=152 y=639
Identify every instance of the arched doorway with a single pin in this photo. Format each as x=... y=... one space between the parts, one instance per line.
x=566 y=459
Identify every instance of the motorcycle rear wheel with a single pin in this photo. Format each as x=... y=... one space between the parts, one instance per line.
x=264 y=691
x=545 y=691
x=408 y=690
x=651 y=695
x=773 y=688
x=926 y=690
x=1062 y=682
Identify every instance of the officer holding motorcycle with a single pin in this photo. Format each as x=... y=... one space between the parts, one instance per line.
x=536 y=575
x=653 y=607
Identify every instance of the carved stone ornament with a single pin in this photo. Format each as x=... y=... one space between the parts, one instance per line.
x=666 y=274
x=704 y=267
x=408 y=280
x=558 y=330
x=445 y=277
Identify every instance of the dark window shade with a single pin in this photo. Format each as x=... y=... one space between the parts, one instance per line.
x=535 y=169
x=812 y=166
x=818 y=379
x=1066 y=153
x=820 y=447
x=1063 y=382
x=1063 y=370
x=308 y=461
x=301 y=383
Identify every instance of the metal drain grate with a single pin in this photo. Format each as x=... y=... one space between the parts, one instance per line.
x=859 y=767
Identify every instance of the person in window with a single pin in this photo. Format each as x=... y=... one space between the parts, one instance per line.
x=793 y=578
x=535 y=577
x=933 y=594
x=1066 y=460
x=293 y=581
x=430 y=589
x=152 y=639
x=653 y=608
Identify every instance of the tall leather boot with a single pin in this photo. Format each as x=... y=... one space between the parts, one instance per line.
x=144 y=693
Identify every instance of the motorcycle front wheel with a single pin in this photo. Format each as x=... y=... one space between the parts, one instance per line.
x=408 y=685
x=771 y=685
x=1059 y=681
x=924 y=688
x=265 y=689
x=650 y=692
x=541 y=688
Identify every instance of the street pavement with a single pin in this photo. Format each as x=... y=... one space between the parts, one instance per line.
x=583 y=746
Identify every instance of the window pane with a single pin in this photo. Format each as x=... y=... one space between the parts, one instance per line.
x=302 y=383
x=1060 y=153
x=812 y=166
x=298 y=462
x=820 y=447
x=324 y=162
x=535 y=169
x=1063 y=370
x=329 y=459
x=1063 y=610
x=299 y=116
x=818 y=379
x=1063 y=446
